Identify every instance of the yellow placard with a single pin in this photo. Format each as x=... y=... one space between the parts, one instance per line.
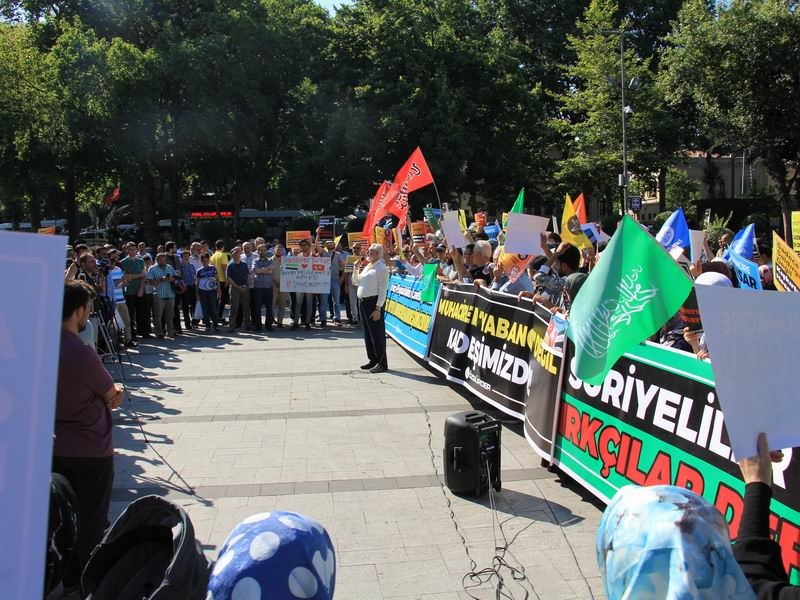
x=337 y=240
x=786 y=266
x=293 y=238
x=47 y=230
x=380 y=236
x=356 y=238
x=462 y=219
x=796 y=230
x=350 y=263
x=514 y=264
x=396 y=235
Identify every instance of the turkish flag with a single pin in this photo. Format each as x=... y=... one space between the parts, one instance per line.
x=580 y=208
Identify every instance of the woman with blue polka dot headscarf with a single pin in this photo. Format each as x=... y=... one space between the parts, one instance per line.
x=275 y=556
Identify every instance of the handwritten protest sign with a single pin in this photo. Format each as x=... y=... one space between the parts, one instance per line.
x=756 y=384
x=786 y=266
x=293 y=238
x=308 y=274
x=796 y=230
x=29 y=328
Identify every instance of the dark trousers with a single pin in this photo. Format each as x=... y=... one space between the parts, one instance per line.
x=374 y=331
x=139 y=315
x=346 y=297
x=261 y=297
x=255 y=312
x=91 y=478
x=188 y=302
x=224 y=299
x=208 y=302
x=148 y=328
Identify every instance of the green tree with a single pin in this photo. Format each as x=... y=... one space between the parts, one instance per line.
x=682 y=192
x=738 y=63
x=591 y=120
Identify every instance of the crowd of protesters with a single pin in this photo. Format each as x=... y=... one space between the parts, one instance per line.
x=165 y=291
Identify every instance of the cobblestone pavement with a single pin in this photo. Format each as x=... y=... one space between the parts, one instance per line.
x=247 y=423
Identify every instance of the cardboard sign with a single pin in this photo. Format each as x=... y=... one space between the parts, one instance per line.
x=418 y=232
x=756 y=383
x=514 y=264
x=307 y=274
x=796 y=230
x=30 y=325
x=350 y=263
x=590 y=230
x=293 y=238
x=524 y=234
x=355 y=238
x=327 y=226
x=785 y=266
x=480 y=221
x=451 y=228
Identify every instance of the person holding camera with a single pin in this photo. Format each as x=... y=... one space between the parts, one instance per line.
x=160 y=276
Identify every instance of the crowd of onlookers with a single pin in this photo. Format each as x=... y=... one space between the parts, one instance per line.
x=146 y=292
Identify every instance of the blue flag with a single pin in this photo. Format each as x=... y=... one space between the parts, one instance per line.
x=674 y=232
x=742 y=243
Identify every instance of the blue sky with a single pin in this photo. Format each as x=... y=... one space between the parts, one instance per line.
x=330 y=4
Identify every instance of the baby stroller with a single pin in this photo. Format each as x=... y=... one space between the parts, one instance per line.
x=150 y=553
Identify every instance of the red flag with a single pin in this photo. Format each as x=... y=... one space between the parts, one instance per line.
x=414 y=174
x=112 y=197
x=369 y=224
x=580 y=208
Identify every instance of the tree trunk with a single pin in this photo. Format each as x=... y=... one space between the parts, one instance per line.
x=71 y=206
x=662 y=189
x=35 y=205
x=146 y=189
x=776 y=168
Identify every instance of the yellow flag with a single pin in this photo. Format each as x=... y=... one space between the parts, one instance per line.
x=571 y=231
x=462 y=220
x=337 y=240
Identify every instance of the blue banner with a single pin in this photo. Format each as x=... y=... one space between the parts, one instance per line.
x=746 y=272
x=409 y=320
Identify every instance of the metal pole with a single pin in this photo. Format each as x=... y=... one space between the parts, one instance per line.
x=624 y=124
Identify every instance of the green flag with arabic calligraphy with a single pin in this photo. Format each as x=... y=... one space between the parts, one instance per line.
x=635 y=288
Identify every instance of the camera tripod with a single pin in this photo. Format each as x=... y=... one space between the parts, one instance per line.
x=110 y=334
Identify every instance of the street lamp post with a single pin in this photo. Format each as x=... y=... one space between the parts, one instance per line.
x=626 y=110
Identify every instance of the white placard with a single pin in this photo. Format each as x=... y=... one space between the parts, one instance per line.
x=451 y=229
x=603 y=237
x=307 y=274
x=697 y=238
x=30 y=326
x=751 y=339
x=524 y=234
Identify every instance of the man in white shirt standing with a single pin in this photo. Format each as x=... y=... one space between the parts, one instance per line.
x=373 y=283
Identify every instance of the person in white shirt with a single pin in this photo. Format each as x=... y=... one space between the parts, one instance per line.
x=373 y=283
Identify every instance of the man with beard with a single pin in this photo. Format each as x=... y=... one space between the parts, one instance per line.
x=83 y=451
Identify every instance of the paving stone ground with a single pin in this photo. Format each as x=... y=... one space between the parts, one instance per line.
x=245 y=423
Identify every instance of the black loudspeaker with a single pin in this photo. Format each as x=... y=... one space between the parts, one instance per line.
x=471 y=453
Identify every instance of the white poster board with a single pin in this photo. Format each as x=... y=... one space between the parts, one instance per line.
x=524 y=234
x=451 y=228
x=30 y=326
x=751 y=339
x=697 y=238
x=307 y=274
